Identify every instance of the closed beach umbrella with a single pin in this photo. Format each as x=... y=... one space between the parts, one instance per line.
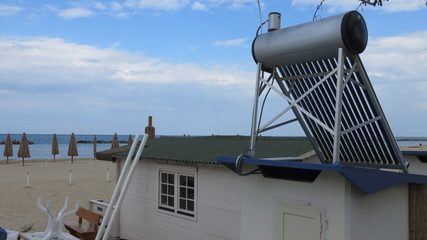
x=130 y=140
x=8 y=149
x=94 y=145
x=24 y=150
x=72 y=147
x=55 y=149
x=115 y=142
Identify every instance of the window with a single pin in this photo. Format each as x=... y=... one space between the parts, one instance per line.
x=167 y=194
x=177 y=193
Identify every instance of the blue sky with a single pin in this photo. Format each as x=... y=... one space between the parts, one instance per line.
x=99 y=67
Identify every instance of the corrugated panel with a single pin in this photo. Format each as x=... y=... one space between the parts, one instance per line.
x=204 y=150
x=366 y=136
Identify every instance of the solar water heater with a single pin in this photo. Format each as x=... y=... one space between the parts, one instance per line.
x=316 y=68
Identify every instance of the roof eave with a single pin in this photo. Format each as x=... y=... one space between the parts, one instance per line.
x=367 y=180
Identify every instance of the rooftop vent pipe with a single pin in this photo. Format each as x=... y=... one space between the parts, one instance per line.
x=150 y=130
x=274 y=19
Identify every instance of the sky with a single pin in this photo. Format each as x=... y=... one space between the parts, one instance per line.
x=100 y=67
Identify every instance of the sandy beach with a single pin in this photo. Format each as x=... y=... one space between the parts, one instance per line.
x=18 y=203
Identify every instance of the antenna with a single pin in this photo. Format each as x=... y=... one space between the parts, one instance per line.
x=260 y=14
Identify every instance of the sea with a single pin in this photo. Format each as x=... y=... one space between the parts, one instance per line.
x=42 y=147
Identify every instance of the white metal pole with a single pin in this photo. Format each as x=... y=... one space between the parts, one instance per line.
x=254 y=131
x=108 y=174
x=125 y=186
x=117 y=188
x=338 y=107
x=28 y=179
x=70 y=177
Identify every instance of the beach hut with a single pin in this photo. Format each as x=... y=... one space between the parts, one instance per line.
x=247 y=205
x=180 y=191
x=72 y=147
x=115 y=142
x=24 y=150
x=55 y=149
x=8 y=148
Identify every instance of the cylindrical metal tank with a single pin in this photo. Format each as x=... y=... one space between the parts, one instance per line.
x=311 y=41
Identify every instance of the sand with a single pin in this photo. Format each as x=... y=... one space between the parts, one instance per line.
x=18 y=203
x=421 y=148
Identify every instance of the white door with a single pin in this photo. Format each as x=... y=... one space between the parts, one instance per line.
x=298 y=222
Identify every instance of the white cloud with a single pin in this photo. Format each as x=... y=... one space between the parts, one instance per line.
x=199 y=6
x=75 y=13
x=389 y=59
x=403 y=5
x=8 y=10
x=241 y=3
x=397 y=67
x=115 y=6
x=157 y=4
x=83 y=64
x=101 y=6
x=233 y=4
x=84 y=88
x=340 y=5
x=239 y=42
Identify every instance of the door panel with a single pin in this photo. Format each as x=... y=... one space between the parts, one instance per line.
x=298 y=222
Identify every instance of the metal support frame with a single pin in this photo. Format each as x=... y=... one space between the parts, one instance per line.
x=121 y=188
x=254 y=131
x=338 y=107
x=330 y=128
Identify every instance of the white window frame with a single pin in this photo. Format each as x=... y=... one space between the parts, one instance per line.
x=177 y=195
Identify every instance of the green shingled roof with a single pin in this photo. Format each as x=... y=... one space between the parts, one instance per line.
x=204 y=150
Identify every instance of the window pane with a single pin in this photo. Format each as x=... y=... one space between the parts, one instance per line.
x=171 y=179
x=164 y=189
x=171 y=202
x=164 y=177
x=171 y=190
x=182 y=204
x=182 y=192
x=190 y=182
x=164 y=200
x=190 y=194
x=183 y=180
x=190 y=206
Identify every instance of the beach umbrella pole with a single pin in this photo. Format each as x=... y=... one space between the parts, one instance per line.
x=120 y=189
x=108 y=175
x=28 y=179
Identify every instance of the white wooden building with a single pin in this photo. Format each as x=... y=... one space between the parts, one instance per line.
x=336 y=204
x=179 y=190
